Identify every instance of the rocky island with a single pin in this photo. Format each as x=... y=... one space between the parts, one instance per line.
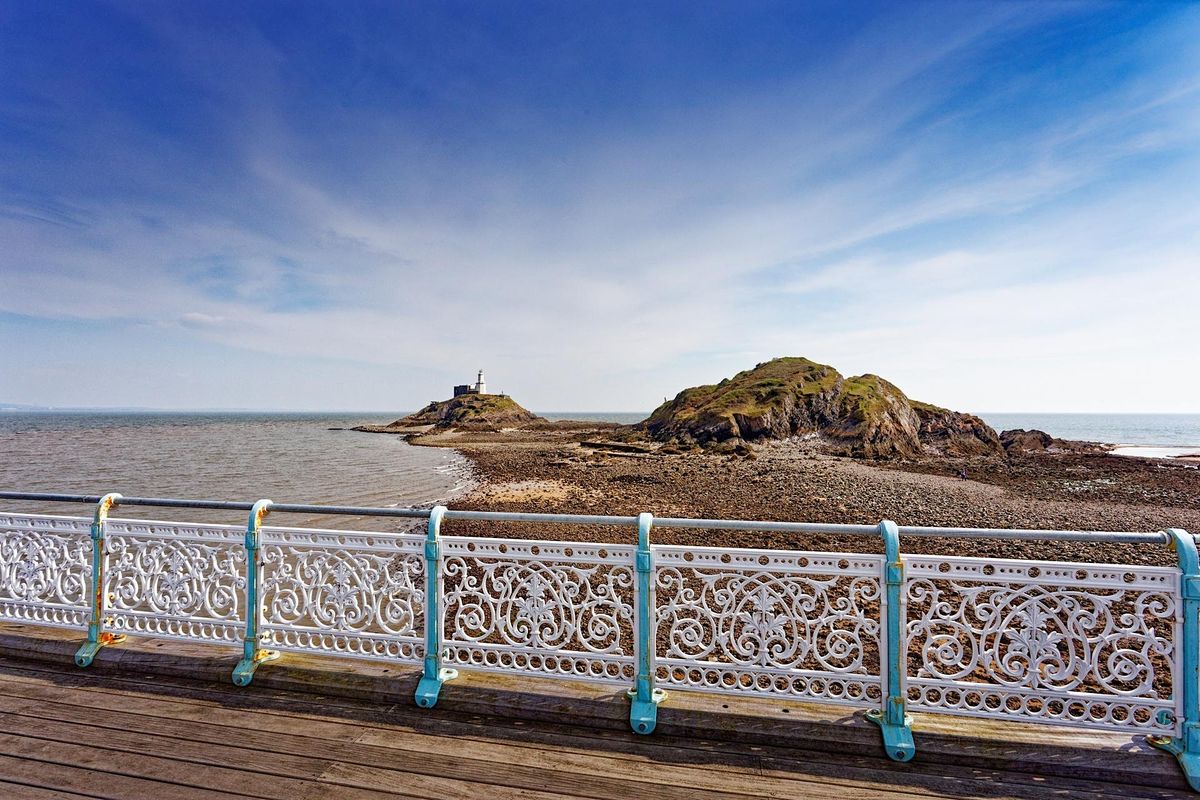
x=863 y=416
x=792 y=439
x=478 y=412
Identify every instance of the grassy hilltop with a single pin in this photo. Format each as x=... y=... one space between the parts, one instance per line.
x=863 y=415
x=470 y=411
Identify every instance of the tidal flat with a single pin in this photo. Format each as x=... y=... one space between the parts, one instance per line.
x=570 y=468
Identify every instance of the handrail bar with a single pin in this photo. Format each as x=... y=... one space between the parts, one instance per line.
x=765 y=526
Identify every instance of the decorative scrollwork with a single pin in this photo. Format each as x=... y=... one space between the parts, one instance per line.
x=787 y=626
x=513 y=605
x=354 y=601
x=45 y=570
x=1086 y=644
x=184 y=582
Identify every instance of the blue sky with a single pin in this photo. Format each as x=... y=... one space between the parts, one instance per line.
x=356 y=205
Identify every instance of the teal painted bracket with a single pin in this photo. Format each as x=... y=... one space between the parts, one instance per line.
x=252 y=655
x=1186 y=746
x=644 y=698
x=97 y=637
x=892 y=719
x=434 y=674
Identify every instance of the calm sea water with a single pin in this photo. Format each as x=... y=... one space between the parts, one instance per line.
x=222 y=456
x=1172 y=430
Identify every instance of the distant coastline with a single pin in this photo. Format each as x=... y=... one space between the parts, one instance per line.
x=1119 y=430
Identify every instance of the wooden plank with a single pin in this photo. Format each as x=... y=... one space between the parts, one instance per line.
x=258 y=772
x=224 y=763
x=417 y=748
x=648 y=767
x=21 y=791
x=787 y=764
x=229 y=726
x=58 y=743
x=181 y=703
x=423 y=723
x=66 y=779
x=370 y=777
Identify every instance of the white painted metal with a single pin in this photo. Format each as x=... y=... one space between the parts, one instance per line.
x=1084 y=645
x=45 y=570
x=1088 y=645
x=798 y=624
x=175 y=579
x=342 y=592
x=551 y=608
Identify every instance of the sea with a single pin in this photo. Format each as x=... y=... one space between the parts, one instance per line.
x=316 y=458
x=296 y=458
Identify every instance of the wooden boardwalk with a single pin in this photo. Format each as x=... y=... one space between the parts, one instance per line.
x=67 y=733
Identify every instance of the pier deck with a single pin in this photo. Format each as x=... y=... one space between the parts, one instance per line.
x=152 y=720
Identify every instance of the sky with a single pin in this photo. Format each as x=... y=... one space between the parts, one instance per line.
x=350 y=205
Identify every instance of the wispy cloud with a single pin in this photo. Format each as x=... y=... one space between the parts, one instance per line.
x=988 y=207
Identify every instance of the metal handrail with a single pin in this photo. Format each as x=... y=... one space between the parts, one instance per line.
x=764 y=526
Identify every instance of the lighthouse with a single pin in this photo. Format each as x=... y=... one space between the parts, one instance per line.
x=478 y=387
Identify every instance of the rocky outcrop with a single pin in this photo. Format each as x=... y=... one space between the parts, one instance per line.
x=953 y=433
x=863 y=415
x=1019 y=440
x=470 y=412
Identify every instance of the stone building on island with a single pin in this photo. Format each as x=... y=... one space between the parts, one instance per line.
x=479 y=387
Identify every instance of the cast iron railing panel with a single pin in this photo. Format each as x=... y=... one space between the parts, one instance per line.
x=551 y=608
x=173 y=579
x=343 y=592
x=799 y=624
x=1089 y=645
x=45 y=570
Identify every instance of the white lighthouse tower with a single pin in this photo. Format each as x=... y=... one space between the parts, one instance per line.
x=480 y=384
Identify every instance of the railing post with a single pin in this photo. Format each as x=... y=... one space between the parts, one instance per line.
x=434 y=675
x=644 y=698
x=1186 y=746
x=97 y=637
x=252 y=655
x=891 y=717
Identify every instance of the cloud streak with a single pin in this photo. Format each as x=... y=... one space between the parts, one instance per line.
x=988 y=208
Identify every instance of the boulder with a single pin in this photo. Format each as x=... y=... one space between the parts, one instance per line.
x=1020 y=440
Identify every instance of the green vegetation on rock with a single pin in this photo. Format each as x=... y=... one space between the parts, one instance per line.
x=471 y=411
x=863 y=415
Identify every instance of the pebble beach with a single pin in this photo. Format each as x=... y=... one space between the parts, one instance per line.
x=556 y=471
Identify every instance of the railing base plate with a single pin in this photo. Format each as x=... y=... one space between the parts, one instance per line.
x=243 y=673
x=643 y=715
x=428 y=689
x=1188 y=762
x=87 y=653
x=897 y=739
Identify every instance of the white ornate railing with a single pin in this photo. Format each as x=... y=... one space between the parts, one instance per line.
x=803 y=625
x=45 y=570
x=178 y=580
x=336 y=592
x=1086 y=645
x=1066 y=643
x=548 y=608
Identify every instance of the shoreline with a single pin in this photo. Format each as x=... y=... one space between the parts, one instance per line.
x=571 y=469
x=1189 y=453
